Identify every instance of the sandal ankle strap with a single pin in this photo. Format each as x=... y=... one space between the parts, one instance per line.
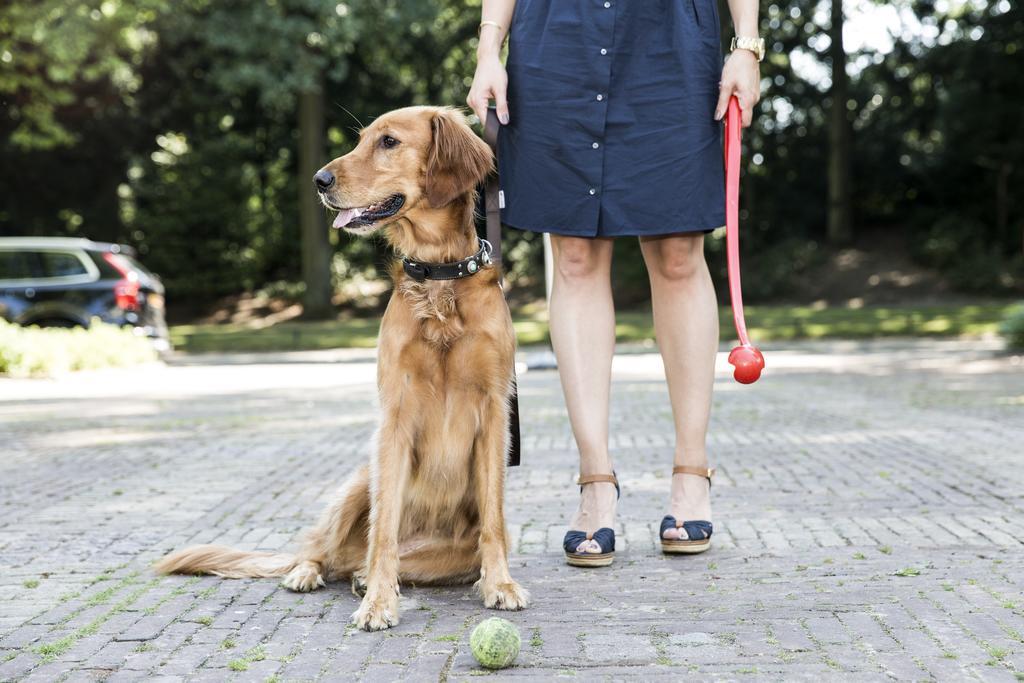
x=706 y=472
x=594 y=478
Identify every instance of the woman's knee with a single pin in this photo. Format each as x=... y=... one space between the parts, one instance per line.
x=580 y=258
x=679 y=257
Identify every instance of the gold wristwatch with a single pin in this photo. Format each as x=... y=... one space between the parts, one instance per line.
x=755 y=45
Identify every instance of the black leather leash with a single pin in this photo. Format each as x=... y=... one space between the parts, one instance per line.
x=492 y=203
x=492 y=206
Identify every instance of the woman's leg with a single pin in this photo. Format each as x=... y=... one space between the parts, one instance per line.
x=686 y=325
x=583 y=337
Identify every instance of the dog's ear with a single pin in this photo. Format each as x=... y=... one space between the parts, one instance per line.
x=458 y=158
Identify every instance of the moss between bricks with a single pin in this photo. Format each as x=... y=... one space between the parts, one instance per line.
x=255 y=654
x=535 y=639
x=180 y=590
x=50 y=651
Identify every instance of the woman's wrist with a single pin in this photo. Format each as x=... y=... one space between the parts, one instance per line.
x=488 y=52
x=492 y=37
x=743 y=55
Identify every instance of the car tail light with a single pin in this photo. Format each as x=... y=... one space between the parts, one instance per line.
x=126 y=290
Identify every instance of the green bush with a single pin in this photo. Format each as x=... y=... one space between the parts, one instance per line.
x=36 y=352
x=1013 y=327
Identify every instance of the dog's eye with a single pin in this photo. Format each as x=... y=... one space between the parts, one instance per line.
x=387 y=142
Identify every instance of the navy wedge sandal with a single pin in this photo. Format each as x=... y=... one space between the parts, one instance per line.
x=604 y=536
x=698 y=532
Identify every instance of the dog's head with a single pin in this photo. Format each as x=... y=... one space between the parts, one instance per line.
x=408 y=162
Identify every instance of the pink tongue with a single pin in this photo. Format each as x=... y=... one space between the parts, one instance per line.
x=345 y=217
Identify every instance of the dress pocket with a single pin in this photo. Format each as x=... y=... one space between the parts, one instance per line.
x=517 y=17
x=705 y=13
x=682 y=26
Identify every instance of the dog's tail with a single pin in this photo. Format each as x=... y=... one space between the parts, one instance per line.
x=220 y=560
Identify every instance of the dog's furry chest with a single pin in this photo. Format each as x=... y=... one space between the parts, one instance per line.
x=433 y=303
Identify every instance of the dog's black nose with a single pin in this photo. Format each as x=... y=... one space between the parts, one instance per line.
x=323 y=180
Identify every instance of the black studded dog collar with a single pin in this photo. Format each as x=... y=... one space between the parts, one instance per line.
x=471 y=265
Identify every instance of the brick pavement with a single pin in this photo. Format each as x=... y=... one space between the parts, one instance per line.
x=869 y=520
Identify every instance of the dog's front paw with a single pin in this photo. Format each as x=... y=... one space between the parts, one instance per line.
x=507 y=595
x=376 y=614
x=304 y=578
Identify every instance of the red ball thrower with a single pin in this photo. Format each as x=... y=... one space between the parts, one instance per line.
x=746 y=358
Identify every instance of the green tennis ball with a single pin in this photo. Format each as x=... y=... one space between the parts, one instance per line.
x=495 y=643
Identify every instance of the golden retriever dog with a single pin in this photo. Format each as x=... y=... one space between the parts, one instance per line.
x=428 y=507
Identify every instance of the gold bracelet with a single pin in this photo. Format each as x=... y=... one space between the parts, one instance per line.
x=488 y=23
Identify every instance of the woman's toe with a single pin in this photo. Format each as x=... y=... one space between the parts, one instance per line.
x=675 y=534
x=588 y=546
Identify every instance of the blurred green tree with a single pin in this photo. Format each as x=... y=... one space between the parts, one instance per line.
x=53 y=49
x=191 y=129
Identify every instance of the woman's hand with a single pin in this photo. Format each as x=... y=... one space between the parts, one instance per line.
x=490 y=80
x=741 y=76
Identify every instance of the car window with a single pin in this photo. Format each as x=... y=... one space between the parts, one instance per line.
x=61 y=264
x=16 y=265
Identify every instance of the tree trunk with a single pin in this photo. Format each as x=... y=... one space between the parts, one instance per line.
x=1002 y=202
x=316 y=251
x=839 y=231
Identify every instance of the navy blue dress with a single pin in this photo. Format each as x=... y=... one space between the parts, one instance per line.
x=611 y=108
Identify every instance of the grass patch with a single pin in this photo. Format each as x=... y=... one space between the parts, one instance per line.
x=885 y=549
x=44 y=352
x=256 y=654
x=205 y=620
x=1013 y=327
x=180 y=590
x=907 y=571
x=103 y=596
x=660 y=641
x=765 y=323
x=535 y=639
x=997 y=652
x=50 y=651
x=30 y=583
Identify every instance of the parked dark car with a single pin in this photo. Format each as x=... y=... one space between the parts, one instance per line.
x=57 y=282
